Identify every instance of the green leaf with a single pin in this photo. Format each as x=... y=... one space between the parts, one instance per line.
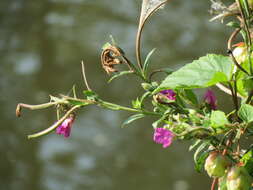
x=190 y=97
x=200 y=156
x=199 y=164
x=77 y=102
x=246 y=113
x=204 y=72
x=218 y=119
x=247 y=160
x=146 y=63
x=90 y=95
x=106 y=45
x=195 y=144
x=133 y=118
x=233 y=24
x=136 y=104
x=119 y=74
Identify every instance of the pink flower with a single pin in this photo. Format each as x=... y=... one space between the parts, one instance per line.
x=170 y=94
x=163 y=136
x=210 y=99
x=65 y=127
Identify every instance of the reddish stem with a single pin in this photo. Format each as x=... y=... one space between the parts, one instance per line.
x=215 y=181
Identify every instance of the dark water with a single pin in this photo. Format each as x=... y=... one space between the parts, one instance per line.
x=41 y=45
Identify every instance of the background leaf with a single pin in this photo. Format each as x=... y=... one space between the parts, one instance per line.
x=204 y=72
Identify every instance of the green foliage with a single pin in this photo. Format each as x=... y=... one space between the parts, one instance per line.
x=146 y=62
x=246 y=113
x=119 y=75
x=204 y=72
x=200 y=156
x=247 y=160
x=132 y=118
x=218 y=119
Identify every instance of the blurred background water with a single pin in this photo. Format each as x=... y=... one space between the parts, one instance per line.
x=41 y=45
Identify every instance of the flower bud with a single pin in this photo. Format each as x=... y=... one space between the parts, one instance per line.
x=238 y=179
x=240 y=52
x=146 y=86
x=216 y=165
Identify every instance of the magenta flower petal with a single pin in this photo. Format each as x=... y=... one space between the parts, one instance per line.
x=210 y=99
x=170 y=94
x=65 y=127
x=163 y=136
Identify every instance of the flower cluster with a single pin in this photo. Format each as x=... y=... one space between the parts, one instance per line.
x=163 y=136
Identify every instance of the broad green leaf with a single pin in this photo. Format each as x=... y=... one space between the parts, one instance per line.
x=247 y=160
x=204 y=72
x=246 y=113
x=146 y=62
x=119 y=74
x=218 y=119
x=133 y=118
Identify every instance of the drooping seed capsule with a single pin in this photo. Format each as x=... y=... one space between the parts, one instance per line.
x=216 y=164
x=238 y=179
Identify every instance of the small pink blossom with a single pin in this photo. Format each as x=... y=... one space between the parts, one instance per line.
x=170 y=94
x=163 y=136
x=65 y=127
x=210 y=99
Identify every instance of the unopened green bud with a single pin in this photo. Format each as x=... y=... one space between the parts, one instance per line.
x=238 y=179
x=216 y=165
x=146 y=86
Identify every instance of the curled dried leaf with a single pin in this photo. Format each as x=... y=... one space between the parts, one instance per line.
x=110 y=57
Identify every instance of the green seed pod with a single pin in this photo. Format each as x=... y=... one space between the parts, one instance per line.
x=216 y=165
x=238 y=179
x=250 y=3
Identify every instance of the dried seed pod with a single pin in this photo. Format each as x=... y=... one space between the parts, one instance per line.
x=110 y=57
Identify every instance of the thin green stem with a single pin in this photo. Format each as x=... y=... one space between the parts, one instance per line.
x=55 y=125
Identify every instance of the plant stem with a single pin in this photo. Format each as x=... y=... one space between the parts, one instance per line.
x=139 y=33
x=215 y=181
x=55 y=125
x=234 y=97
x=119 y=107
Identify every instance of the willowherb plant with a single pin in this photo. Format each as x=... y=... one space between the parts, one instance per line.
x=181 y=115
